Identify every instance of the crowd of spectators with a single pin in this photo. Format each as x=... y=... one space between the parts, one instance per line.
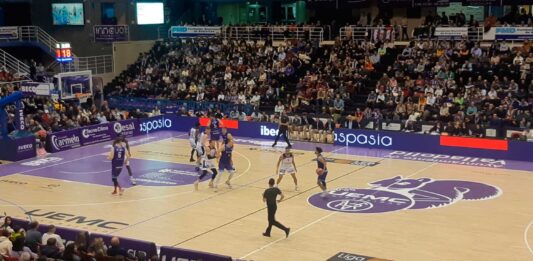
x=25 y=244
x=460 y=86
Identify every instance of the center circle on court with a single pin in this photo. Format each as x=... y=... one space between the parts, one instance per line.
x=351 y=200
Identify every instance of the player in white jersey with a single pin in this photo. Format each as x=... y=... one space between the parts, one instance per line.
x=286 y=165
x=193 y=139
x=201 y=145
x=208 y=157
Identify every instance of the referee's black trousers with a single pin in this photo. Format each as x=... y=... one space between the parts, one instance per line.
x=285 y=133
x=272 y=220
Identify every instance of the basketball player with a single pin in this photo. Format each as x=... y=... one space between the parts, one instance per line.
x=193 y=139
x=201 y=145
x=225 y=162
x=286 y=160
x=127 y=160
x=208 y=166
x=225 y=135
x=214 y=125
x=322 y=170
x=117 y=155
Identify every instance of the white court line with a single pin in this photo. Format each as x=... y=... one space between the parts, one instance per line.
x=525 y=237
x=84 y=172
x=328 y=215
x=298 y=230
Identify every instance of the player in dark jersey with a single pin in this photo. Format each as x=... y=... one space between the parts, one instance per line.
x=127 y=160
x=226 y=136
x=322 y=170
x=117 y=155
x=207 y=166
x=215 y=124
x=225 y=162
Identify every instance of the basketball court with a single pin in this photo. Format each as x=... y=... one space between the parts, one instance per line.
x=379 y=206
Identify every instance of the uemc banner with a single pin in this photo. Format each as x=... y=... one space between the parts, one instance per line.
x=451 y=32
x=9 y=32
x=64 y=140
x=194 y=31
x=111 y=33
x=173 y=253
x=514 y=33
x=97 y=133
x=36 y=88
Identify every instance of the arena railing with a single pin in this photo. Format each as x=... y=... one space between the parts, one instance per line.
x=13 y=64
x=276 y=33
x=100 y=64
x=171 y=106
x=97 y=64
x=362 y=33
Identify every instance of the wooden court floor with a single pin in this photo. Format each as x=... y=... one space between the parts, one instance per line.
x=230 y=221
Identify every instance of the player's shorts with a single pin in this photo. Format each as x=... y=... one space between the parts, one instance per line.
x=323 y=176
x=225 y=166
x=193 y=143
x=207 y=164
x=115 y=171
x=215 y=136
x=286 y=170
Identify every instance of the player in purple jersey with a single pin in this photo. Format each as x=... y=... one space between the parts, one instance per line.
x=117 y=155
x=225 y=162
x=127 y=161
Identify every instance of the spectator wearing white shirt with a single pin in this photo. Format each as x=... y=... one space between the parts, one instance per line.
x=52 y=234
x=256 y=99
x=221 y=97
x=279 y=108
x=518 y=60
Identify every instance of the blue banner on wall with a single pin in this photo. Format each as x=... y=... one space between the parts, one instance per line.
x=514 y=33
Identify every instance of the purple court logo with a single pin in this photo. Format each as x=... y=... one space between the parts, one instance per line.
x=398 y=193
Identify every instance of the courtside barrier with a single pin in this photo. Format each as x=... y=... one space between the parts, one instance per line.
x=373 y=139
x=132 y=246
x=75 y=138
x=481 y=149
x=18 y=148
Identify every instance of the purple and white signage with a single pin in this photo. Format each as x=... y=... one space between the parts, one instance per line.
x=25 y=148
x=397 y=193
x=126 y=128
x=111 y=33
x=64 y=140
x=97 y=133
x=36 y=88
x=164 y=122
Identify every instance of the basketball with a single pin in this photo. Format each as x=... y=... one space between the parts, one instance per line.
x=319 y=171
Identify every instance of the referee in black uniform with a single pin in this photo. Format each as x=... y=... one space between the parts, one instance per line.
x=270 y=197
x=283 y=129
